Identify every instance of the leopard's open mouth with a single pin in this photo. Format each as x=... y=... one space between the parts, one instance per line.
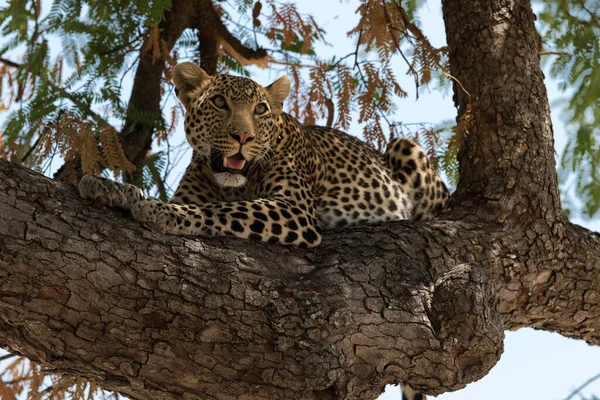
x=235 y=164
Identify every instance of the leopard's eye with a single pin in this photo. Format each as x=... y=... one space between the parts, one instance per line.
x=220 y=102
x=261 y=109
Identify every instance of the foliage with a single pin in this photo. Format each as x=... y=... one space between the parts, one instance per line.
x=69 y=88
x=24 y=378
x=571 y=29
x=81 y=84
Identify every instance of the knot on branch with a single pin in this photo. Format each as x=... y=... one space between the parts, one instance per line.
x=464 y=315
x=436 y=336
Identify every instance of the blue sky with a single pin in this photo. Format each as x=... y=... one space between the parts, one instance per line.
x=535 y=364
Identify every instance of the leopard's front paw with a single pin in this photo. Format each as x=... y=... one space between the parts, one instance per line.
x=109 y=193
x=171 y=219
x=152 y=211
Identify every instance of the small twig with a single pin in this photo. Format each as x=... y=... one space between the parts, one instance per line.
x=168 y=163
x=18 y=380
x=339 y=61
x=414 y=72
x=9 y=62
x=160 y=185
x=129 y=68
x=35 y=144
x=553 y=53
x=330 y=112
x=457 y=81
x=377 y=105
x=364 y=80
x=44 y=131
x=356 y=50
x=418 y=123
x=388 y=21
x=591 y=14
x=409 y=25
x=48 y=389
x=576 y=391
x=123 y=47
x=288 y=63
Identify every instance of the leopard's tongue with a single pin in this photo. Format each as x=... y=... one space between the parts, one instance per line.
x=236 y=161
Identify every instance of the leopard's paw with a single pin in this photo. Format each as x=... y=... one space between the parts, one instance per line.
x=171 y=219
x=109 y=193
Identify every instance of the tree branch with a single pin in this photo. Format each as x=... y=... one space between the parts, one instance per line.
x=7 y=356
x=212 y=33
x=582 y=386
x=147 y=314
x=10 y=63
x=132 y=308
x=87 y=290
x=236 y=49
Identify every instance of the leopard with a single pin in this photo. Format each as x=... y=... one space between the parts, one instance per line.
x=258 y=173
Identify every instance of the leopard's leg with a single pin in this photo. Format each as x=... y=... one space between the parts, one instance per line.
x=273 y=220
x=410 y=167
x=109 y=193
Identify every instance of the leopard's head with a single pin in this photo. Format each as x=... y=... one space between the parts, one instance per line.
x=230 y=120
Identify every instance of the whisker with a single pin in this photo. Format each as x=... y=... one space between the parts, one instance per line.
x=265 y=160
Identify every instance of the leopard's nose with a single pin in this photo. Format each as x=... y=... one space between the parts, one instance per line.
x=242 y=137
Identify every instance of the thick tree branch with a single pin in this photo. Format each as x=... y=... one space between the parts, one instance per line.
x=213 y=33
x=89 y=291
x=232 y=45
x=145 y=94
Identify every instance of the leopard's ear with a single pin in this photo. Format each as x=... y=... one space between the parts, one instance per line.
x=277 y=92
x=189 y=78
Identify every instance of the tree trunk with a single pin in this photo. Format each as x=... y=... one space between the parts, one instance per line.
x=507 y=167
x=89 y=291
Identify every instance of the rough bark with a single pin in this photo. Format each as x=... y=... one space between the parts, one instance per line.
x=507 y=167
x=91 y=292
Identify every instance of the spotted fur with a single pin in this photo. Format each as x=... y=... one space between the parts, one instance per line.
x=258 y=173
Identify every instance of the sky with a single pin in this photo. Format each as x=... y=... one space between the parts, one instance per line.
x=535 y=364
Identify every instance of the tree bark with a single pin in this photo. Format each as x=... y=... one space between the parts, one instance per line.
x=507 y=167
x=91 y=292
x=88 y=291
